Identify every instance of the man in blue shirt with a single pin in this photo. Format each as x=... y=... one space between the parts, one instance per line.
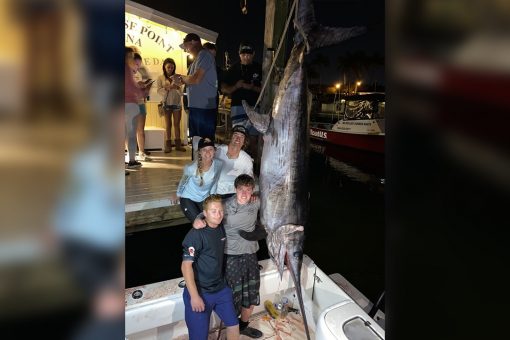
x=202 y=86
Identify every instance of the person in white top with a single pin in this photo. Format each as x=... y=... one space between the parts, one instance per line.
x=235 y=161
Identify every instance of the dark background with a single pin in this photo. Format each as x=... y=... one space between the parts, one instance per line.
x=225 y=17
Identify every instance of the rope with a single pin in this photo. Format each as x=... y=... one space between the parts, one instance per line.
x=277 y=51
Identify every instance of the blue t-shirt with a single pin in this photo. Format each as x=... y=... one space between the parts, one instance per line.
x=203 y=95
x=189 y=186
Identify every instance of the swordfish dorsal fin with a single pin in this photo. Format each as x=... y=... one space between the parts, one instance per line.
x=259 y=121
x=314 y=35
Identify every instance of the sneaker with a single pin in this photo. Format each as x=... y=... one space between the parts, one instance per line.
x=252 y=332
x=143 y=158
x=134 y=165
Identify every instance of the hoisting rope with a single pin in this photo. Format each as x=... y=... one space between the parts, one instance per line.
x=291 y=12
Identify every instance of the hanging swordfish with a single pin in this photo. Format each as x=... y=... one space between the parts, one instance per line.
x=284 y=163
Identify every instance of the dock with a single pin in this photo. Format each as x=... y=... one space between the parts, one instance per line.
x=151 y=200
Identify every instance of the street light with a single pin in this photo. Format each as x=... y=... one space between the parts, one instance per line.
x=336 y=107
x=358 y=83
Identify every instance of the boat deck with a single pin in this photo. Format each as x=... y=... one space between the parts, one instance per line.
x=288 y=328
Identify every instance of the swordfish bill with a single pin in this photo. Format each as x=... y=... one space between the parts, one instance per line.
x=284 y=164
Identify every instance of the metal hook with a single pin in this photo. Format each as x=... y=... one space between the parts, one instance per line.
x=244 y=6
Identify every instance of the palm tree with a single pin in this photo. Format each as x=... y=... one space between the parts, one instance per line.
x=315 y=65
x=353 y=66
x=376 y=61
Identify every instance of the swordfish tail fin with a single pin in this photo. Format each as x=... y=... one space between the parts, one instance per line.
x=316 y=35
x=285 y=246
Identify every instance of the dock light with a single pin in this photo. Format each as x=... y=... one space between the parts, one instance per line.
x=358 y=83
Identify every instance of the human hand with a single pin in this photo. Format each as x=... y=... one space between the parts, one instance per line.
x=197 y=304
x=199 y=223
x=174 y=198
x=254 y=198
x=240 y=84
x=176 y=79
x=248 y=86
x=259 y=233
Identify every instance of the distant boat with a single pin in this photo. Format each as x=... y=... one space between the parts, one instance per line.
x=360 y=124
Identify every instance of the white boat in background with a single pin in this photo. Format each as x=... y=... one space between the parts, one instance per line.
x=363 y=134
x=359 y=123
x=334 y=308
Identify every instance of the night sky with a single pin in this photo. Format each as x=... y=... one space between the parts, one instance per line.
x=225 y=18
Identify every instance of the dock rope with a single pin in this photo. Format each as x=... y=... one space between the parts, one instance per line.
x=291 y=12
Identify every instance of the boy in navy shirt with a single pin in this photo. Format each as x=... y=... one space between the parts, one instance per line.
x=202 y=267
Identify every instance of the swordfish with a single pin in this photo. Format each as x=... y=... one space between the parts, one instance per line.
x=284 y=163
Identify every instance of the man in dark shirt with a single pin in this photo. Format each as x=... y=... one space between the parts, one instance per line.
x=202 y=267
x=243 y=82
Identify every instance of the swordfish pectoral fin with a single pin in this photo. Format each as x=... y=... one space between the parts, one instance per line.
x=259 y=121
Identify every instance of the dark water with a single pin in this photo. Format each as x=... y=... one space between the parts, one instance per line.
x=345 y=233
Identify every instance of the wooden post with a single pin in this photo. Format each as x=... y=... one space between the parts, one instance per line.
x=276 y=15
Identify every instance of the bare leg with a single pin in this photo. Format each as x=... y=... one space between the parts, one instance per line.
x=140 y=133
x=233 y=332
x=177 y=130
x=246 y=313
x=168 y=128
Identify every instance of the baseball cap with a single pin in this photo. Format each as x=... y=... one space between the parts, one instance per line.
x=203 y=142
x=189 y=37
x=245 y=48
x=210 y=46
x=241 y=129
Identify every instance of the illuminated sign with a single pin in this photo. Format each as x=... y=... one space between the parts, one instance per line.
x=142 y=32
x=320 y=134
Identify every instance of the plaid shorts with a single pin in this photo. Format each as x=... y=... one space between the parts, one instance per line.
x=243 y=276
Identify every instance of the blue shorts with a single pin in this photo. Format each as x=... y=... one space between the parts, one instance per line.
x=239 y=117
x=198 y=322
x=143 y=109
x=202 y=122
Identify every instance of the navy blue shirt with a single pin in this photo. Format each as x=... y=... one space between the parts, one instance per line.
x=251 y=74
x=205 y=247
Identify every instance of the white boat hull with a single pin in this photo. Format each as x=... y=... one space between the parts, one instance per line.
x=159 y=313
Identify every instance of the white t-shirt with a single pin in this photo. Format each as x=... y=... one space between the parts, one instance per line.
x=232 y=168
